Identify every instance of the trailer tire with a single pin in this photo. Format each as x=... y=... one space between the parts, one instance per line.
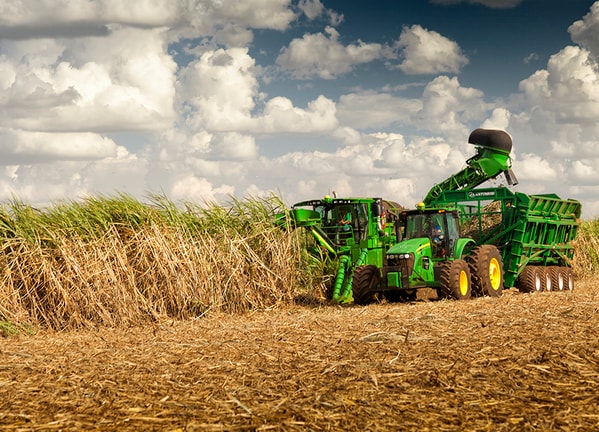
x=486 y=268
x=531 y=279
x=455 y=280
x=546 y=279
x=558 y=282
x=365 y=277
x=568 y=278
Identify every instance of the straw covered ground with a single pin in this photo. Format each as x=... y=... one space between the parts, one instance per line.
x=521 y=362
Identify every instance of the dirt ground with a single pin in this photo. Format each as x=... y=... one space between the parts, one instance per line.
x=522 y=362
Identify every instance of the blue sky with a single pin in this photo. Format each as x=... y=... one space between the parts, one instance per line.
x=204 y=99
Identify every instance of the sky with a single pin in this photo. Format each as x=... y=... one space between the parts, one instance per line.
x=204 y=100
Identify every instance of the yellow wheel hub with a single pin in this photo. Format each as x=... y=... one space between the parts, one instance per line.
x=463 y=283
x=494 y=274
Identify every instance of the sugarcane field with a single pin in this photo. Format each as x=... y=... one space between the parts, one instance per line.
x=122 y=315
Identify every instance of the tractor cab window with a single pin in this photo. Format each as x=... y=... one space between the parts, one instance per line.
x=440 y=228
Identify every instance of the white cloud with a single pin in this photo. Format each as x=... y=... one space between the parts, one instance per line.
x=27 y=147
x=314 y=8
x=107 y=84
x=585 y=32
x=280 y=116
x=199 y=190
x=325 y=57
x=311 y=8
x=428 y=52
x=233 y=146
x=448 y=107
x=533 y=167
x=217 y=91
x=500 y=119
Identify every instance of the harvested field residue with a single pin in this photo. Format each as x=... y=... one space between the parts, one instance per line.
x=521 y=362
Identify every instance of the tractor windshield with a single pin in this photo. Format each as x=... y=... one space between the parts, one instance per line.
x=440 y=228
x=419 y=225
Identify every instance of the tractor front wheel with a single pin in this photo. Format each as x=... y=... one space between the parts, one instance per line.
x=455 y=280
x=486 y=268
x=365 y=278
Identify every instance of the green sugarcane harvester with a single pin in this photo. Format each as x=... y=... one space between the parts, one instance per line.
x=513 y=239
x=352 y=232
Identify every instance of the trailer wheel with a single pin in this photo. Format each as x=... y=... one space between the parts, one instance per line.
x=531 y=279
x=568 y=278
x=546 y=279
x=486 y=268
x=365 y=277
x=455 y=280
x=558 y=282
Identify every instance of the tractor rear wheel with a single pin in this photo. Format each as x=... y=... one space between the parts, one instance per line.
x=531 y=279
x=455 y=280
x=486 y=268
x=365 y=278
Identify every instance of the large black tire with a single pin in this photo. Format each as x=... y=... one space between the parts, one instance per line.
x=531 y=279
x=365 y=278
x=486 y=268
x=455 y=280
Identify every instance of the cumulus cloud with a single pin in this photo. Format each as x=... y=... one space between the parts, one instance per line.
x=428 y=52
x=106 y=84
x=322 y=55
x=217 y=91
x=17 y=146
x=585 y=32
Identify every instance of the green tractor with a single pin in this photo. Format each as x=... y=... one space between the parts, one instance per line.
x=349 y=232
x=512 y=239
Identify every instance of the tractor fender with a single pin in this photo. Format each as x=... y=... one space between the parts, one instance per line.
x=462 y=245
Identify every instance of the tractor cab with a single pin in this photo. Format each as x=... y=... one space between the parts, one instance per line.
x=438 y=229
